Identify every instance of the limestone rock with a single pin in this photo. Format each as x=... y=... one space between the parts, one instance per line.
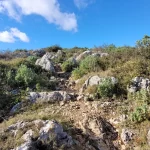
x=139 y=83
x=39 y=123
x=58 y=54
x=96 y=54
x=48 y=131
x=100 y=129
x=119 y=119
x=72 y=60
x=99 y=54
x=16 y=126
x=126 y=136
x=104 y=54
x=80 y=97
x=83 y=55
x=49 y=96
x=25 y=146
x=46 y=63
x=52 y=129
x=95 y=80
x=148 y=137
x=16 y=108
x=27 y=136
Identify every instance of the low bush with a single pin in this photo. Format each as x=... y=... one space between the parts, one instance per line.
x=130 y=69
x=77 y=73
x=140 y=114
x=74 y=51
x=87 y=65
x=68 y=66
x=106 y=88
x=25 y=75
x=32 y=59
x=140 y=97
x=53 y=48
x=90 y=64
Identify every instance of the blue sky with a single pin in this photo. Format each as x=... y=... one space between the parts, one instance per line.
x=33 y=24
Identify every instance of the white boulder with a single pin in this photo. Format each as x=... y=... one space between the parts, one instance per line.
x=46 y=63
x=50 y=96
x=138 y=83
x=83 y=55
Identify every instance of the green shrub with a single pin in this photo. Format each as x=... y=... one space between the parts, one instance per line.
x=139 y=100
x=106 y=88
x=75 y=50
x=130 y=69
x=52 y=84
x=25 y=75
x=38 y=87
x=53 y=48
x=77 y=73
x=141 y=97
x=90 y=64
x=11 y=77
x=32 y=59
x=87 y=65
x=140 y=114
x=68 y=66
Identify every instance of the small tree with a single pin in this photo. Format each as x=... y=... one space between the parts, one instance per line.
x=144 y=43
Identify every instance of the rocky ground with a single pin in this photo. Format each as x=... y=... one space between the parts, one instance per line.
x=67 y=118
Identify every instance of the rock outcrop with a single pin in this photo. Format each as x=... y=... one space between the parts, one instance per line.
x=46 y=63
x=72 y=60
x=83 y=55
x=99 y=130
x=148 y=137
x=104 y=54
x=95 y=80
x=54 y=96
x=15 y=108
x=89 y=53
x=139 y=83
x=49 y=132
x=54 y=130
x=126 y=136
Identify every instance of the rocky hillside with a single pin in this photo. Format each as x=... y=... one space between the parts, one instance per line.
x=76 y=99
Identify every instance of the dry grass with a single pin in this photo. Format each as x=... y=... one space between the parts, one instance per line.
x=12 y=62
x=44 y=112
x=34 y=112
x=91 y=89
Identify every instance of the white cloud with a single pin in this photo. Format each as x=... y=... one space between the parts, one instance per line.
x=49 y=9
x=12 y=35
x=83 y=3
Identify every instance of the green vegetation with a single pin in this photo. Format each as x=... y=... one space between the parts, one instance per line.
x=25 y=75
x=140 y=114
x=68 y=66
x=87 y=65
x=140 y=101
x=19 y=75
x=106 y=88
x=53 y=48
